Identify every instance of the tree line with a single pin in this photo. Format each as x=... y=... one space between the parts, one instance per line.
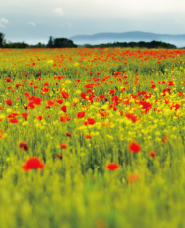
x=142 y=44
x=52 y=43
x=66 y=43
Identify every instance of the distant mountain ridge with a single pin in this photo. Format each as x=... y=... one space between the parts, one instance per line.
x=135 y=36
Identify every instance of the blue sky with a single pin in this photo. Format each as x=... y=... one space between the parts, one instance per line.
x=32 y=21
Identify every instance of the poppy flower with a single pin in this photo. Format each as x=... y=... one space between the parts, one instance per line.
x=64 y=119
x=64 y=108
x=13 y=120
x=111 y=91
x=60 y=101
x=112 y=166
x=134 y=147
x=39 y=118
x=102 y=96
x=88 y=136
x=9 y=102
x=23 y=145
x=83 y=95
x=152 y=153
x=115 y=98
x=170 y=83
x=24 y=115
x=37 y=100
x=63 y=146
x=46 y=84
x=26 y=94
x=133 y=178
x=33 y=163
x=164 y=139
x=131 y=117
x=8 y=79
x=80 y=114
x=90 y=121
x=65 y=94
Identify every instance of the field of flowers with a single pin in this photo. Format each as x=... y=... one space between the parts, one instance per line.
x=92 y=138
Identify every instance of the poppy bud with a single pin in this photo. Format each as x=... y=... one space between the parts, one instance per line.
x=59 y=156
x=68 y=134
x=23 y=145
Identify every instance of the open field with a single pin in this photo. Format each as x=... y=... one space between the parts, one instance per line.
x=92 y=138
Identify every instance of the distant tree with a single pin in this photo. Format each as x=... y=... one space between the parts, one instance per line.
x=50 y=42
x=63 y=43
x=2 y=41
x=16 y=45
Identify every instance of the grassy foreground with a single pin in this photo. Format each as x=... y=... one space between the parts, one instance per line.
x=92 y=138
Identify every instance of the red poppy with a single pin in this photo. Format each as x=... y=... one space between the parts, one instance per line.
x=152 y=153
x=134 y=147
x=13 y=120
x=17 y=85
x=64 y=108
x=131 y=117
x=65 y=94
x=31 y=105
x=52 y=103
x=111 y=91
x=24 y=114
x=37 y=100
x=8 y=79
x=170 y=83
x=46 y=84
x=60 y=101
x=23 y=145
x=64 y=119
x=133 y=178
x=153 y=86
x=83 y=95
x=80 y=114
x=90 y=121
x=63 y=146
x=112 y=166
x=39 y=118
x=102 y=96
x=9 y=102
x=26 y=94
x=88 y=136
x=164 y=139
x=33 y=163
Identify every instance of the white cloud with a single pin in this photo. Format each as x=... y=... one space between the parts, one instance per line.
x=59 y=11
x=31 y=23
x=3 y=22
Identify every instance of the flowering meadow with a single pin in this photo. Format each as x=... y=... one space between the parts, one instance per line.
x=92 y=138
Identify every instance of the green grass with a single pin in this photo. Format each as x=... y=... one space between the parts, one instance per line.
x=78 y=190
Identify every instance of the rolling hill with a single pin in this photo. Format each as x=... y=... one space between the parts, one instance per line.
x=178 y=40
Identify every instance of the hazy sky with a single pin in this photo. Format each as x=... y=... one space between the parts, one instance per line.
x=35 y=20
